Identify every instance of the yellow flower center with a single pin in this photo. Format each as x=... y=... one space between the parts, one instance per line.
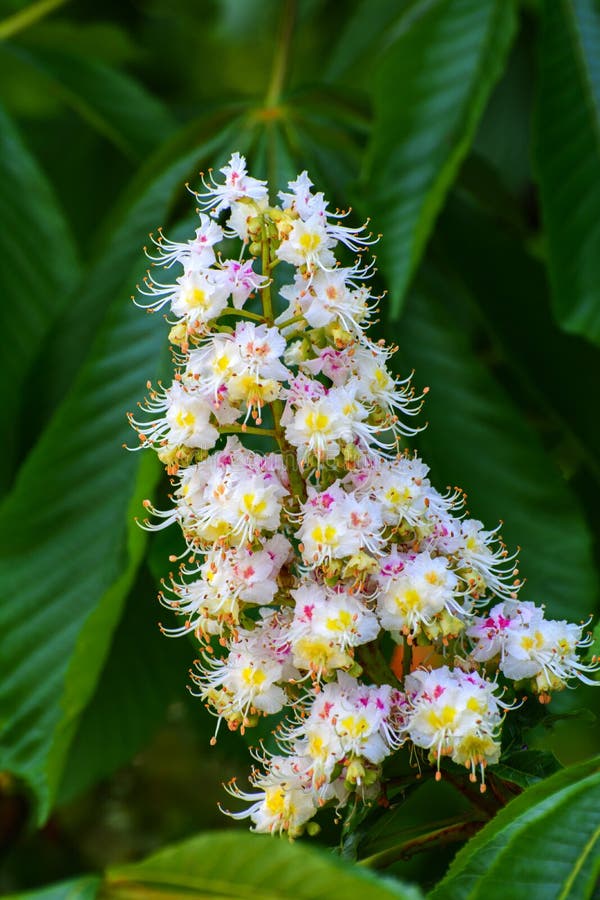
x=309 y=241
x=275 y=801
x=317 y=421
x=443 y=719
x=324 y=535
x=342 y=622
x=195 y=298
x=408 y=599
x=355 y=726
x=253 y=506
x=253 y=677
x=185 y=418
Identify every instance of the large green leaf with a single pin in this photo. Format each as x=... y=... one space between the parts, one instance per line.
x=526 y=767
x=567 y=153
x=146 y=204
x=509 y=285
x=542 y=846
x=39 y=268
x=372 y=26
x=431 y=90
x=70 y=548
x=477 y=438
x=237 y=865
x=84 y=888
x=112 y=102
x=69 y=551
x=142 y=674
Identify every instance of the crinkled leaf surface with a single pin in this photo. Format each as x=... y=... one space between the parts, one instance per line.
x=431 y=89
x=142 y=673
x=69 y=548
x=567 y=154
x=38 y=270
x=478 y=439
x=111 y=101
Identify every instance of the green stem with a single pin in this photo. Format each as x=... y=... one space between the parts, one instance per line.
x=243 y=313
x=28 y=16
x=267 y=301
x=246 y=429
x=282 y=52
x=287 y=451
x=291 y=321
x=458 y=831
x=488 y=805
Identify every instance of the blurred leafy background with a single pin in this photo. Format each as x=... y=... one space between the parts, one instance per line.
x=468 y=130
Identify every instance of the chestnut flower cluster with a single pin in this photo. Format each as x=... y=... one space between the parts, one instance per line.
x=301 y=559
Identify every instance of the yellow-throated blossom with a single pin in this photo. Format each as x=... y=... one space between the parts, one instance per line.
x=314 y=538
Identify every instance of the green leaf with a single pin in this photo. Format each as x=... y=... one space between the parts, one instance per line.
x=545 y=842
x=40 y=266
x=84 y=888
x=431 y=89
x=146 y=204
x=70 y=549
x=327 y=130
x=507 y=285
x=567 y=155
x=364 y=32
x=526 y=767
x=24 y=18
x=142 y=674
x=112 y=102
x=478 y=439
x=237 y=866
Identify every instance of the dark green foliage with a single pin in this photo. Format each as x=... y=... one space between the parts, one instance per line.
x=469 y=131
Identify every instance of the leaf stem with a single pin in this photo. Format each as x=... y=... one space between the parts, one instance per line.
x=458 y=831
x=291 y=321
x=244 y=313
x=282 y=52
x=246 y=429
x=29 y=16
x=287 y=451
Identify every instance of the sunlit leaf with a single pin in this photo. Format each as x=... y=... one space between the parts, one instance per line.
x=69 y=552
x=237 y=865
x=70 y=548
x=85 y=888
x=545 y=841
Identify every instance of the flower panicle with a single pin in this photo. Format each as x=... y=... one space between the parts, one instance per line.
x=312 y=534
